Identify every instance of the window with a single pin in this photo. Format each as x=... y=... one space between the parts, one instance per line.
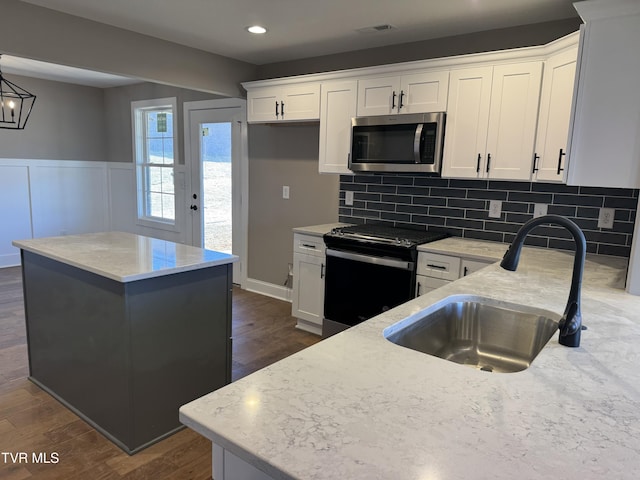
x=154 y=124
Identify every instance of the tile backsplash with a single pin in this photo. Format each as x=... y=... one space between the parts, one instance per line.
x=462 y=208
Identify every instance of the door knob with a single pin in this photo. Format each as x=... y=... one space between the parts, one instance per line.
x=193 y=207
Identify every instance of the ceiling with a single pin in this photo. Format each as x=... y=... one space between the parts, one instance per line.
x=305 y=28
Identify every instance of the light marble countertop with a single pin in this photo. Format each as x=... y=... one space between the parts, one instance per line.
x=124 y=257
x=319 y=230
x=356 y=406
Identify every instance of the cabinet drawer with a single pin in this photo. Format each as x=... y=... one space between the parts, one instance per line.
x=308 y=244
x=438 y=266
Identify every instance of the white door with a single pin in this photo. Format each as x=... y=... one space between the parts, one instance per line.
x=216 y=162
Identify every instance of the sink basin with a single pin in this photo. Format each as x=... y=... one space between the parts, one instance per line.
x=478 y=332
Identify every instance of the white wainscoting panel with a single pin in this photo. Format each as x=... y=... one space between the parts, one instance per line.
x=15 y=211
x=69 y=197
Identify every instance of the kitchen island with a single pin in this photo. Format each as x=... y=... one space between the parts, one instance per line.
x=123 y=329
x=356 y=406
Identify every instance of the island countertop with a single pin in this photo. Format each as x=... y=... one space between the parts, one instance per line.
x=356 y=406
x=124 y=257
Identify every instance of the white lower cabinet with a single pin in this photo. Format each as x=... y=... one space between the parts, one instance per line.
x=227 y=466
x=435 y=270
x=308 y=282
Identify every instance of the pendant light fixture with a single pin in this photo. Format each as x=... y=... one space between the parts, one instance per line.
x=15 y=104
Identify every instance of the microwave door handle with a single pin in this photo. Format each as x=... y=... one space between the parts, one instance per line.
x=416 y=143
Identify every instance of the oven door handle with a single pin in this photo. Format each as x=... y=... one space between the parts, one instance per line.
x=357 y=257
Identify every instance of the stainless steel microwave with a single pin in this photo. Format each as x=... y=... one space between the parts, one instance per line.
x=397 y=143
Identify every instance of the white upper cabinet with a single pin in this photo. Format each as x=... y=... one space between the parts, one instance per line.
x=284 y=103
x=554 y=117
x=337 y=108
x=410 y=93
x=605 y=145
x=491 y=121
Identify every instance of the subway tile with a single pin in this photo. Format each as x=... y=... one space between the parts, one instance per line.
x=477 y=214
x=622 y=215
x=406 y=199
x=530 y=197
x=448 y=192
x=587 y=212
x=534 y=241
x=453 y=231
x=487 y=194
x=427 y=220
x=397 y=180
x=353 y=187
x=586 y=223
x=360 y=178
x=483 y=235
x=623 y=227
x=411 y=209
x=382 y=188
x=386 y=207
x=615 y=250
x=516 y=207
x=368 y=197
x=438 y=201
x=502 y=227
x=467 y=184
x=465 y=203
x=505 y=185
x=553 y=188
x=344 y=211
x=609 y=192
x=431 y=182
x=396 y=217
x=563 y=210
x=464 y=223
x=446 y=212
x=551 y=231
x=362 y=213
x=519 y=218
x=403 y=190
x=561 y=244
x=606 y=237
x=621 y=202
x=346 y=179
x=580 y=200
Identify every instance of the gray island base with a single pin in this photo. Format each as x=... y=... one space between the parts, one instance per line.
x=125 y=355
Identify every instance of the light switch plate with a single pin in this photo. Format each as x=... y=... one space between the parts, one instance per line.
x=539 y=210
x=605 y=217
x=285 y=192
x=348 y=198
x=495 y=208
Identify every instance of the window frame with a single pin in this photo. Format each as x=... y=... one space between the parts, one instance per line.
x=142 y=165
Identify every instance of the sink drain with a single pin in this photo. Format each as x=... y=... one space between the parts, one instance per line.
x=486 y=368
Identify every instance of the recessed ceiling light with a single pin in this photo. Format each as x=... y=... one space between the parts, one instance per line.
x=256 y=29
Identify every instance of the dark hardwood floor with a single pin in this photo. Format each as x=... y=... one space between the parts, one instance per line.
x=31 y=421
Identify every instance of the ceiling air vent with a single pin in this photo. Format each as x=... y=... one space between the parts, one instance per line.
x=376 y=28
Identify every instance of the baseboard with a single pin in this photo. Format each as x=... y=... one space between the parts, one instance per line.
x=10 y=260
x=269 y=289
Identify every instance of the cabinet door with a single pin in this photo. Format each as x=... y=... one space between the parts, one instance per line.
x=378 y=96
x=467 y=267
x=426 y=284
x=308 y=288
x=467 y=121
x=555 y=115
x=605 y=150
x=424 y=92
x=262 y=104
x=337 y=108
x=515 y=94
x=300 y=102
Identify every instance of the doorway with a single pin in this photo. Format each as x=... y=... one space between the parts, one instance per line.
x=216 y=163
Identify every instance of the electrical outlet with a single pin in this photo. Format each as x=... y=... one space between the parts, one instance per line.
x=348 y=198
x=605 y=217
x=539 y=210
x=285 y=192
x=495 y=208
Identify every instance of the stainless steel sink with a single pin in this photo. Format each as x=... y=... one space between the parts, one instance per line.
x=482 y=333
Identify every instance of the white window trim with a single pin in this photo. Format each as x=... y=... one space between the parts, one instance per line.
x=136 y=106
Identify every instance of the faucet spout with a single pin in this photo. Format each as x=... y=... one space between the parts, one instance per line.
x=570 y=325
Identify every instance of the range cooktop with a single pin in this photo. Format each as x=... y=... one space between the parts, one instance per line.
x=383 y=234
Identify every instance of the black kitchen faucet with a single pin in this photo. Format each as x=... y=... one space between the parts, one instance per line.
x=570 y=324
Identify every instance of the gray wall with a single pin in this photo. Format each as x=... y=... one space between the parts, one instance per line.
x=67 y=123
x=42 y=34
x=523 y=36
x=284 y=155
x=117 y=110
